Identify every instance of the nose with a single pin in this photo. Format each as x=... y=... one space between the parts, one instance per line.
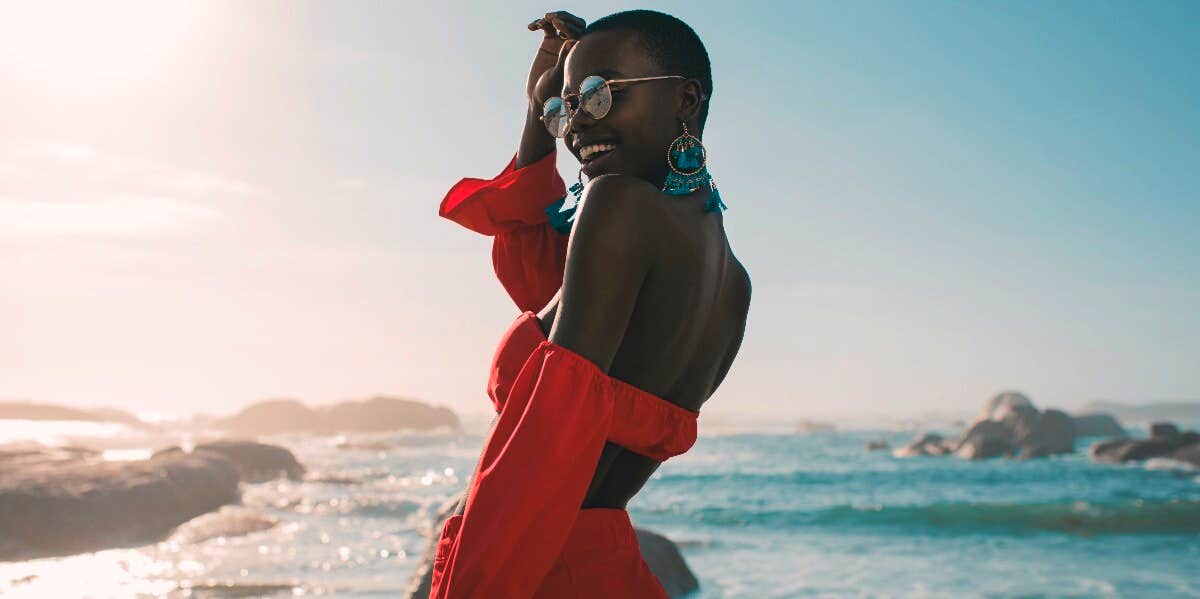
x=578 y=120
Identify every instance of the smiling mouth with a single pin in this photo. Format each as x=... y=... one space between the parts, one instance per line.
x=591 y=152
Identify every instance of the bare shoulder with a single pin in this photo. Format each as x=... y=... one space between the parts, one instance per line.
x=614 y=207
x=618 y=192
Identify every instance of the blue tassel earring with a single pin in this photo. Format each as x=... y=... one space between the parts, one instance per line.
x=688 y=162
x=562 y=215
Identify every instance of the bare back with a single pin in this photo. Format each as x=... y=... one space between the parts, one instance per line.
x=686 y=328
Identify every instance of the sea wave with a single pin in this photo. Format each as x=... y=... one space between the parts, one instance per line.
x=1076 y=517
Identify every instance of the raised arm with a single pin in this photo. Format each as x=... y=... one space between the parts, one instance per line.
x=516 y=206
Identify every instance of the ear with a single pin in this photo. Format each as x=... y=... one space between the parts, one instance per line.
x=689 y=97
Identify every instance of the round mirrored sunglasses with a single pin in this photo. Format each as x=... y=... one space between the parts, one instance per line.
x=594 y=99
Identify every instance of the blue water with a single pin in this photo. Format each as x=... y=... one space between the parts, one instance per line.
x=755 y=515
x=816 y=515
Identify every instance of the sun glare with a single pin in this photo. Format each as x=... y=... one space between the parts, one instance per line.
x=87 y=40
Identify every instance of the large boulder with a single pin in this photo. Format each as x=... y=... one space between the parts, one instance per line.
x=1098 y=425
x=666 y=562
x=377 y=414
x=1127 y=450
x=1050 y=433
x=1165 y=440
x=61 y=508
x=1005 y=406
x=986 y=439
x=256 y=462
x=1008 y=425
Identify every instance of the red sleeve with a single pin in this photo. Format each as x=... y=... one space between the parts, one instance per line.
x=530 y=482
x=528 y=253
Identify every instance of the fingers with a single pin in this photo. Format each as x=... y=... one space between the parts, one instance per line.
x=569 y=19
x=559 y=24
x=562 y=52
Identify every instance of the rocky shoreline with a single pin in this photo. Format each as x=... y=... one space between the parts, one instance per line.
x=1010 y=426
x=58 y=502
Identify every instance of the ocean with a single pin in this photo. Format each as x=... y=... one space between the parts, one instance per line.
x=759 y=515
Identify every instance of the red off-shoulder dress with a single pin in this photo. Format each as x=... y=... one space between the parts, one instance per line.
x=523 y=534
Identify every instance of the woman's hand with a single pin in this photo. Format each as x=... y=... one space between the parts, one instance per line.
x=560 y=31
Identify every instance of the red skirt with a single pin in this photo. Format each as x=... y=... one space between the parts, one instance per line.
x=601 y=559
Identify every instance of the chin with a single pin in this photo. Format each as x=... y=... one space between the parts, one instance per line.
x=607 y=164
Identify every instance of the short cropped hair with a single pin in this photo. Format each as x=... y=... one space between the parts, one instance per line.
x=671 y=43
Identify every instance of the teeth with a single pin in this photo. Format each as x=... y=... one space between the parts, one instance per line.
x=586 y=152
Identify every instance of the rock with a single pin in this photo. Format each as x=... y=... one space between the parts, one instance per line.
x=271 y=417
x=1050 y=433
x=1165 y=441
x=386 y=414
x=1098 y=425
x=931 y=444
x=59 y=509
x=40 y=411
x=256 y=462
x=986 y=439
x=1008 y=425
x=228 y=521
x=877 y=445
x=1102 y=451
x=665 y=561
x=1189 y=454
x=1005 y=406
x=1125 y=450
x=38 y=456
x=377 y=414
x=1164 y=430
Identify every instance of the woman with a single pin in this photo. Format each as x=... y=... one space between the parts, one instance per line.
x=641 y=307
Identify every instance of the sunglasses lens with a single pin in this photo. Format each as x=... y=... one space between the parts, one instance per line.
x=595 y=97
x=554 y=114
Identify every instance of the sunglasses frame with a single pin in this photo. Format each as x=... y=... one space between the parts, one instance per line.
x=608 y=82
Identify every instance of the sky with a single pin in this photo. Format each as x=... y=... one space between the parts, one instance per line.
x=207 y=204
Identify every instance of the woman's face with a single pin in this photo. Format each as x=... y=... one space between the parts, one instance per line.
x=643 y=119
